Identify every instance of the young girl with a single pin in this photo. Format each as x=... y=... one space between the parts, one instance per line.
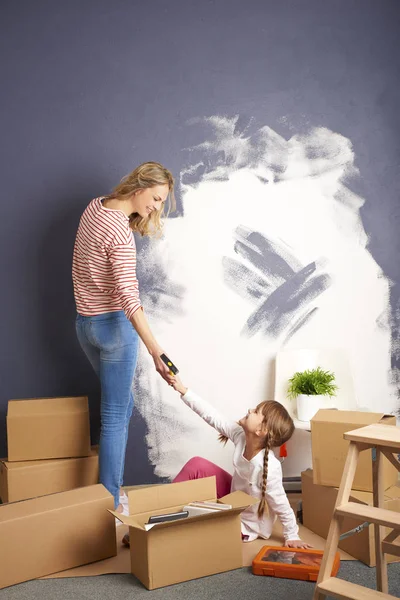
x=257 y=471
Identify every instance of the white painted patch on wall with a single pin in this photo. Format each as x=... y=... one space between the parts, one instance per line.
x=249 y=197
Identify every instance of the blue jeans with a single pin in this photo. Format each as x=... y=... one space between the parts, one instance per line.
x=111 y=343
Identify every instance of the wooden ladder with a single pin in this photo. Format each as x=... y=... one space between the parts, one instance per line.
x=384 y=441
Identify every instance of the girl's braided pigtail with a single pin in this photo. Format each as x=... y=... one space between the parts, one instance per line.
x=263 y=506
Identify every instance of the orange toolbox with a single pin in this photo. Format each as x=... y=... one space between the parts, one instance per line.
x=291 y=563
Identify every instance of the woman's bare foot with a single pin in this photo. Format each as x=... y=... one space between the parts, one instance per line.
x=125 y=540
x=119 y=508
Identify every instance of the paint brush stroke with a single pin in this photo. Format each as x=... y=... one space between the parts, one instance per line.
x=275 y=314
x=160 y=294
x=270 y=155
x=243 y=280
x=299 y=323
x=167 y=424
x=283 y=292
x=267 y=257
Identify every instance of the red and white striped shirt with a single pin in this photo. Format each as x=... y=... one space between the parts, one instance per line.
x=104 y=263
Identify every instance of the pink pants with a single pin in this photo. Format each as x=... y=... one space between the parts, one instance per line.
x=197 y=468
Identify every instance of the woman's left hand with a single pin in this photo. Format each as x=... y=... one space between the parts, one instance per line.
x=297 y=544
x=162 y=368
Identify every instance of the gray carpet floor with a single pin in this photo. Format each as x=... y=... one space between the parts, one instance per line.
x=240 y=584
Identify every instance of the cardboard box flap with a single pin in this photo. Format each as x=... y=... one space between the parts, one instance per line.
x=307 y=473
x=138 y=521
x=42 y=406
x=239 y=499
x=78 y=496
x=221 y=514
x=167 y=495
x=353 y=417
x=393 y=492
x=388 y=420
x=45 y=463
x=125 y=519
x=132 y=521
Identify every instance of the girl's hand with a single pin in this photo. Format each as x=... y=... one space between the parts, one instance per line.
x=297 y=544
x=178 y=385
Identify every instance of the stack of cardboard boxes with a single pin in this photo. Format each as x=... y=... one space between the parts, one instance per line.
x=48 y=448
x=55 y=530
x=54 y=514
x=320 y=485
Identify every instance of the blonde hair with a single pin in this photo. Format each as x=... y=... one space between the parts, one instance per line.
x=279 y=429
x=146 y=175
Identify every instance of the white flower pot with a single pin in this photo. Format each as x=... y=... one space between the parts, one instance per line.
x=307 y=406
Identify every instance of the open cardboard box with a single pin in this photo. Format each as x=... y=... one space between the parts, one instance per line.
x=41 y=428
x=122 y=562
x=318 y=504
x=53 y=533
x=190 y=548
x=21 y=480
x=329 y=449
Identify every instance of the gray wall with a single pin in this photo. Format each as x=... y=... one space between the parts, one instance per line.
x=92 y=88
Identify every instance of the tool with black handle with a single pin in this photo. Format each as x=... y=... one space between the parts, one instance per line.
x=173 y=370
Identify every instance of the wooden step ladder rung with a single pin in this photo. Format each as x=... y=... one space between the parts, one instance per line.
x=385 y=436
x=344 y=589
x=380 y=516
x=392 y=536
x=392 y=549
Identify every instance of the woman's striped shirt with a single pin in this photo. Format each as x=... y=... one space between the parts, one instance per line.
x=104 y=263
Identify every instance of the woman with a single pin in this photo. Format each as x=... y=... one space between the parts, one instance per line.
x=110 y=317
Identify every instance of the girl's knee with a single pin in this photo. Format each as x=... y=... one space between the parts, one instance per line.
x=197 y=462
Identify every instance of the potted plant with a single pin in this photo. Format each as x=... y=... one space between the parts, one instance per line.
x=311 y=387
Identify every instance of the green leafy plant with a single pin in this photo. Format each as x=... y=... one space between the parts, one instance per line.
x=312 y=383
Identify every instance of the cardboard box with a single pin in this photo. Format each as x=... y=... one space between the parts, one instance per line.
x=329 y=449
x=53 y=533
x=42 y=428
x=194 y=547
x=29 y=479
x=318 y=504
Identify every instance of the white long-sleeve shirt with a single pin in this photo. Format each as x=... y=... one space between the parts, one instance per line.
x=248 y=474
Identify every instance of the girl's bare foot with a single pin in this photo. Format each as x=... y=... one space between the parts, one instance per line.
x=125 y=540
